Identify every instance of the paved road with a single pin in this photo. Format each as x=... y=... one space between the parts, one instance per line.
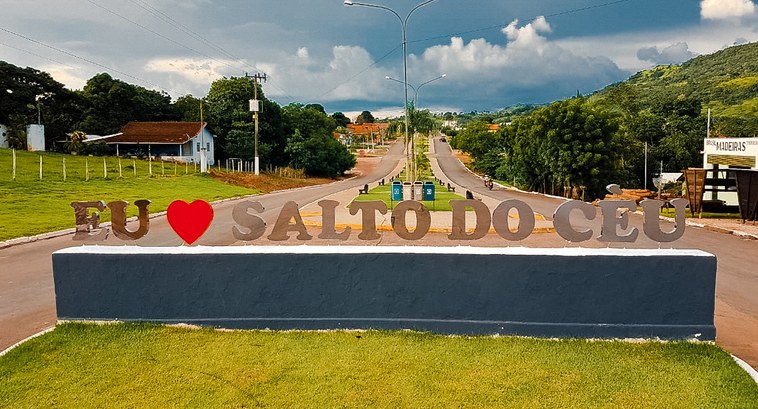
x=27 y=296
x=737 y=276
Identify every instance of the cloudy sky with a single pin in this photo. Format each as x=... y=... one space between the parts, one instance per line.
x=494 y=52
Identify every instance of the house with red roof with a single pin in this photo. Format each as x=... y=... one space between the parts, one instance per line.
x=179 y=141
x=372 y=132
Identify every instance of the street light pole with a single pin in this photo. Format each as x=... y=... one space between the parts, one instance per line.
x=416 y=89
x=404 y=26
x=415 y=106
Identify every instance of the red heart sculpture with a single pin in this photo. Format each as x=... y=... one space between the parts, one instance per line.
x=190 y=220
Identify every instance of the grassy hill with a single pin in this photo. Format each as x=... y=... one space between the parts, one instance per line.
x=725 y=81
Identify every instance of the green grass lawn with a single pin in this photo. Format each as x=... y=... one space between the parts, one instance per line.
x=31 y=206
x=143 y=365
x=383 y=193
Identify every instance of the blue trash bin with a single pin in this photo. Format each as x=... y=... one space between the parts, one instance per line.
x=429 y=190
x=397 y=191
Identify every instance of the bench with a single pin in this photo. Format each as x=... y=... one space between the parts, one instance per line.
x=450 y=188
x=381 y=183
x=363 y=191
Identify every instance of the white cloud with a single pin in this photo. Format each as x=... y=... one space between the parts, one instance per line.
x=528 y=59
x=623 y=48
x=673 y=54
x=199 y=71
x=725 y=9
x=326 y=80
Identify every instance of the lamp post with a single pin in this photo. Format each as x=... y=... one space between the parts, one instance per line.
x=38 y=98
x=417 y=88
x=415 y=101
x=404 y=26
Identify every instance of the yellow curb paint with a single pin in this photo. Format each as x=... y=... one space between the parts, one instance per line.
x=383 y=227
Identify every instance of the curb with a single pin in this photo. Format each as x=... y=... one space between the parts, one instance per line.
x=749 y=369
x=704 y=226
x=10 y=348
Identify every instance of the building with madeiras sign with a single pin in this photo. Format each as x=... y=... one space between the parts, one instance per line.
x=720 y=155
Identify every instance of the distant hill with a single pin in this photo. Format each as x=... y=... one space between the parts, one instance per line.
x=725 y=81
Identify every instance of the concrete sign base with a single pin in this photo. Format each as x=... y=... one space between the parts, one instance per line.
x=569 y=292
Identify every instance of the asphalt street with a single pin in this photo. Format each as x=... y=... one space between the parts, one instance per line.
x=27 y=300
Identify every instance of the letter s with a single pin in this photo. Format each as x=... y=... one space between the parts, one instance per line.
x=255 y=224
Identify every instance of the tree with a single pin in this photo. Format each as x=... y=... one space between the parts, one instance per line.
x=341 y=119
x=24 y=91
x=569 y=145
x=485 y=147
x=365 y=118
x=228 y=110
x=189 y=108
x=309 y=120
x=325 y=156
x=311 y=145
x=111 y=103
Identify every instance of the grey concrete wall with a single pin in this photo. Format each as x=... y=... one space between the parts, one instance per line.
x=534 y=292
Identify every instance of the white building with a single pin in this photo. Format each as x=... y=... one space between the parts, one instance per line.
x=180 y=141
x=35 y=137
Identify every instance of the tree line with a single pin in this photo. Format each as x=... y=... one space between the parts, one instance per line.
x=296 y=135
x=576 y=147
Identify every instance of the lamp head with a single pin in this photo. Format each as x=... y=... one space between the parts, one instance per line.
x=348 y=2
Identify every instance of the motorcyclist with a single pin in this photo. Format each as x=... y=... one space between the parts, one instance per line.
x=487 y=182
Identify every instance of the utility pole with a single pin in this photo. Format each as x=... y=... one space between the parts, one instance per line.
x=203 y=153
x=255 y=108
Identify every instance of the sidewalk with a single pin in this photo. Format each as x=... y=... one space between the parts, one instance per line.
x=747 y=230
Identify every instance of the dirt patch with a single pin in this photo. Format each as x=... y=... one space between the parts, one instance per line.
x=271 y=182
x=465 y=158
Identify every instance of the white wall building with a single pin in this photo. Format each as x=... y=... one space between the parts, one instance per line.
x=35 y=137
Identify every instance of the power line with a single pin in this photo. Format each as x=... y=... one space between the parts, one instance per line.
x=500 y=26
x=38 y=55
x=159 y=34
x=360 y=72
x=165 y=18
x=70 y=54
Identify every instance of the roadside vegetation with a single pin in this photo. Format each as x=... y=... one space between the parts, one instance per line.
x=32 y=206
x=296 y=135
x=144 y=365
x=576 y=147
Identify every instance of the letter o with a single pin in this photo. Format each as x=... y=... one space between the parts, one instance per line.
x=423 y=220
x=525 y=224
